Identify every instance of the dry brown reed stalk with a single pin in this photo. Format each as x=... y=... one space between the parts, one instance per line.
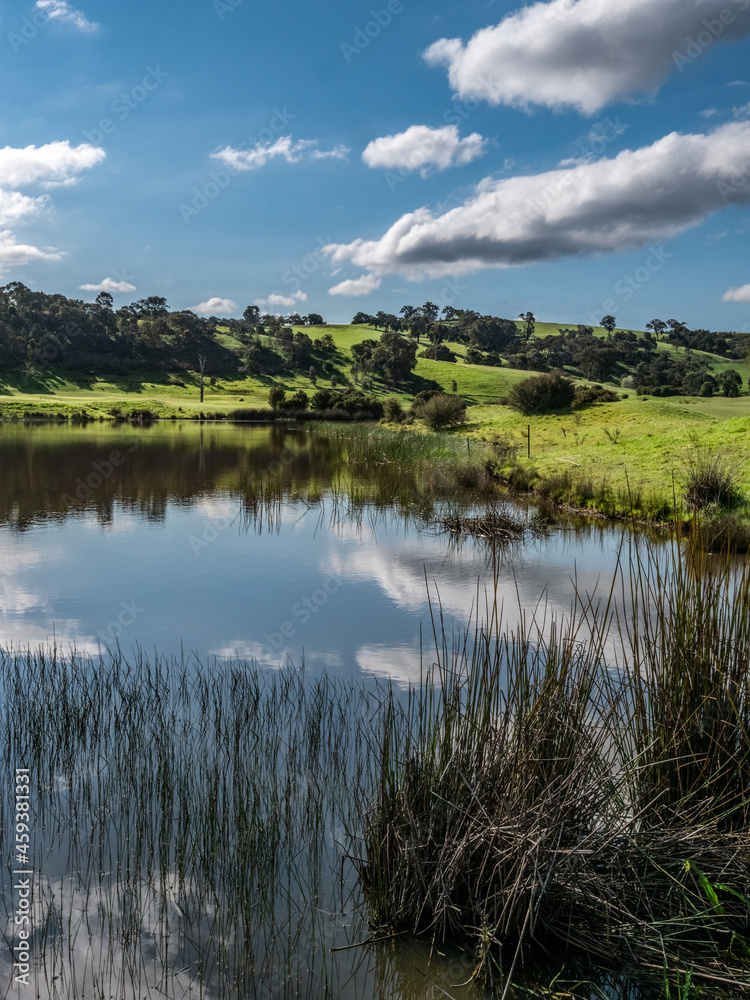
x=532 y=798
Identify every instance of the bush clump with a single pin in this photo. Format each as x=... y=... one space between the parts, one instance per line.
x=439 y=353
x=440 y=410
x=393 y=411
x=587 y=395
x=542 y=394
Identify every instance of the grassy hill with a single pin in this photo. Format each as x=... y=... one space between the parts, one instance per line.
x=591 y=457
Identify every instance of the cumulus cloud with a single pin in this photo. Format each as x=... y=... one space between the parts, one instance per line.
x=53 y=165
x=15 y=206
x=637 y=198
x=60 y=10
x=585 y=53
x=421 y=148
x=281 y=300
x=215 y=307
x=357 y=286
x=109 y=285
x=741 y=294
x=284 y=148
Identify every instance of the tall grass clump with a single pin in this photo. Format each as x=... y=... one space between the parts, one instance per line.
x=710 y=478
x=580 y=789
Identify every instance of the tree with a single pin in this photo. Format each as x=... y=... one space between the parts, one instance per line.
x=362 y=319
x=276 y=396
x=488 y=333
x=595 y=362
x=154 y=305
x=314 y=319
x=395 y=357
x=529 y=325
x=252 y=316
x=430 y=310
x=362 y=353
x=730 y=382
x=437 y=333
x=105 y=301
x=609 y=323
x=202 y=365
x=658 y=326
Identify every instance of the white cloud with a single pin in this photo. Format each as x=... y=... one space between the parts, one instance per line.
x=281 y=300
x=585 y=53
x=635 y=199
x=12 y=252
x=284 y=148
x=741 y=294
x=357 y=286
x=421 y=147
x=55 y=165
x=50 y=166
x=15 y=206
x=215 y=307
x=109 y=285
x=60 y=10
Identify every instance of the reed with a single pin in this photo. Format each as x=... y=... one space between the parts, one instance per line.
x=531 y=797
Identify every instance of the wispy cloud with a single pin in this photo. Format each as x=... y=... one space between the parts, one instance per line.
x=422 y=148
x=283 y=148
x=286 y=301
x=584 y=53
x=60 y=10
x=637 y=198
x=109 y=285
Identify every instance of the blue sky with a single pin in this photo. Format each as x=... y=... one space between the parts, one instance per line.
x=574 y=157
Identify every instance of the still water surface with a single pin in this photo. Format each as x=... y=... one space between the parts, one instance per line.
x=140 y=538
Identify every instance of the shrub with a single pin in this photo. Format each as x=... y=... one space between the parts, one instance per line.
x=587 y=395
x=323 y=399
x=491 y=359
x=393 y=411
x=297 y=401
x=542 y=394
x=441 y=410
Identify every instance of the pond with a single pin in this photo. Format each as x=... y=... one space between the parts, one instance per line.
x=195 y=796
x=142 y=538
